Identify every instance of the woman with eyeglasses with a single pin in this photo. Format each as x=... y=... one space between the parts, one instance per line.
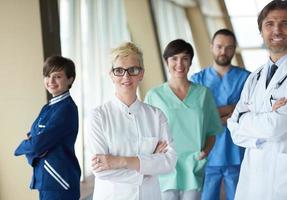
x=129 y=140
x=193 y=120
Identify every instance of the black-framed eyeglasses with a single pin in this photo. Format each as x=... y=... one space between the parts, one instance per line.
x=132 y=71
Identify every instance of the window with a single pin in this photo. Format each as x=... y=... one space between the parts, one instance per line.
x=89 y=29
x=172 y=23
x=213 y=15
x=243 y=15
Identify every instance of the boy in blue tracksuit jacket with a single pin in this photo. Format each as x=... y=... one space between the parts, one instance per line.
x=49 y=147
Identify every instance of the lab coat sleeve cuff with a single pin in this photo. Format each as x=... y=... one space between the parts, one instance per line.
x=156 y=164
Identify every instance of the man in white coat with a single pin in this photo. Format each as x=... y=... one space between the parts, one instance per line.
x=259 y=121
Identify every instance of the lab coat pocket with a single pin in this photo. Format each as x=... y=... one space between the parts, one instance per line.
x=280 y=181
x=148 y=145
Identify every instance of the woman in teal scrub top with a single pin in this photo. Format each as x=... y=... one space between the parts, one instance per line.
x=193 y=120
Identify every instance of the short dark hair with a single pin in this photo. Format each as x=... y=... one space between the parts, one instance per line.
x=57 y=63
x=178 y=46
x=225 y=32
x=273 y=5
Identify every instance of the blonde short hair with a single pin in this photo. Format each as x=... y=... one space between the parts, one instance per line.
x=126 y=49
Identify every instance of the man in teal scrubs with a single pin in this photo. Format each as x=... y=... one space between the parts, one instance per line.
x=225 y=82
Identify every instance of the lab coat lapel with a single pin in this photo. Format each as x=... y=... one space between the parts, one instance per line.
x=279 y=75
x=260 y=89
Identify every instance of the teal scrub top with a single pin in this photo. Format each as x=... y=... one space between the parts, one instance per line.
x=190 y=120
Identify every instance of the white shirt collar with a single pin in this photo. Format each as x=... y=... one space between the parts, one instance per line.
x=59 y=98
x=132 y=109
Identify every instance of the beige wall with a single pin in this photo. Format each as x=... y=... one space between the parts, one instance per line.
x=22 y=92
x=143 y=34
x=200 y=36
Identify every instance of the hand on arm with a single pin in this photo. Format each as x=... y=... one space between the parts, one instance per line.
x=279 y=103
x=225 y=118
x=210 y=140
x=60 y=123
x=161 y=147
x=225 y=112
x=101 y=162
x=29 y=136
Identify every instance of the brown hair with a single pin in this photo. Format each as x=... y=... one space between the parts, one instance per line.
x=58 y=63
x=225 y=32
x=273 y=5
x=178 y=46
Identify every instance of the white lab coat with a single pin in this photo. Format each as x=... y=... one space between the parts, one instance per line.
x=120 y=130
x=263 y=132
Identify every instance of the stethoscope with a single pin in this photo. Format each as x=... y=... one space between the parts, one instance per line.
x=257 y=77
x=278 y=84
